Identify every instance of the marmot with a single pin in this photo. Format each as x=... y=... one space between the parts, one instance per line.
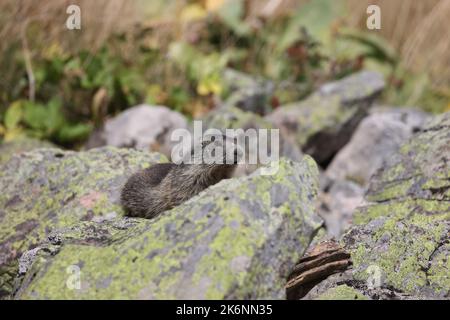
x=163 y=186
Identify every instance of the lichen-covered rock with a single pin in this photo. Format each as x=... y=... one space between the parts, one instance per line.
x=8 y=149
x=237 y=239
x=247 y=93
x=325 y=121
x=259 y=95
x=400 y=246
x=376 y=138
x=342 y=292
x=50 y=188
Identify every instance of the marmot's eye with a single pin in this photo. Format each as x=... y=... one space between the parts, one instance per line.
x=213 y=138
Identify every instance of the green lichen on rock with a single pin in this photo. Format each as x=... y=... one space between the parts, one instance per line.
x=342 y=292
x=404 y=231
x=8 y=149
x=420 y=169
x=237 y=239
x=400 y=244
x=231 y=117
x=324 y=122
x=50 y=188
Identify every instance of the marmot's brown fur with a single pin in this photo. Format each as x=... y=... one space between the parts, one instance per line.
x=163 y=186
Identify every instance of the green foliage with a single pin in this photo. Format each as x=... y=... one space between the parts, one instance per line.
x=43 y=122
x=317 y=16
x=232 y=16
x=76 y=90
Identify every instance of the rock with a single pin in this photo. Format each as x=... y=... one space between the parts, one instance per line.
x=338 y=202
x=342 y=292
x=8 y=149
x=375 y=139
x=235 y=118
x=253 y=99
x=400 y=245
x=259 y=95
x=235 y=80
x=237 y=239
x=50 y=188
x=248 y=93
x=324 y=122
x=142 y=127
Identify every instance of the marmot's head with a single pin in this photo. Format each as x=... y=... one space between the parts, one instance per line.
x=216 y=149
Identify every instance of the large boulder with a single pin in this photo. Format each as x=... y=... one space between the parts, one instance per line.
x=338 y=200
x=9 y=149
x=400 y=244
x=237 y=239
x=375 y=139
x=50 y=188
x=324 y=122
x=248 y=93
x=259 y=95
x=142 y=127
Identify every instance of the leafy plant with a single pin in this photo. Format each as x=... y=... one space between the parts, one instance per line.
x=42 y=122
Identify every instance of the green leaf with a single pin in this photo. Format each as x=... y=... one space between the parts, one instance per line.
x=46 y=119
x=376 y=47
x=14 y=115
x=317 y=17
x=232 y=15
x=76 y=132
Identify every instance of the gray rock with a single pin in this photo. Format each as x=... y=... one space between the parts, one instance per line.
x=338 y=203
x=49 y=188
x=9 y=149
x=399 y=244
x=375 y=139
x=236 y=240
x=248 y=93
x=324 y=122
x=142 y=127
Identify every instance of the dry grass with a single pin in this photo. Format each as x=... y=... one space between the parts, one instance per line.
x=43 y=22
x=417 y=29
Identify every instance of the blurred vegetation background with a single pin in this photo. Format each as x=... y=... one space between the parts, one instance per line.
x=59 y=84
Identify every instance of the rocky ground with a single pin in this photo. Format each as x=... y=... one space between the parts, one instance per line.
x=359 y=209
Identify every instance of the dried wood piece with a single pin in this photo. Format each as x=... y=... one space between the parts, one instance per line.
x=323 y=260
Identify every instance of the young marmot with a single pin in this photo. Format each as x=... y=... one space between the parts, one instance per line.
x=163 y=186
